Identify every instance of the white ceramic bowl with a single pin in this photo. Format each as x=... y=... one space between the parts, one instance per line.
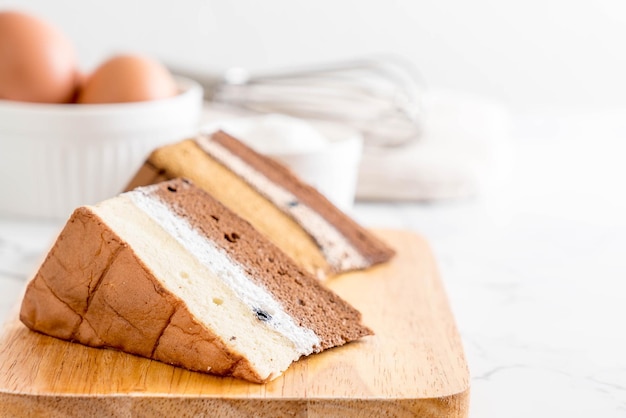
x=54 y=158
x=325 y=155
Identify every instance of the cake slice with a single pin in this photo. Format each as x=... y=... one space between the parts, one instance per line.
x=168 y=273
x=293 y=215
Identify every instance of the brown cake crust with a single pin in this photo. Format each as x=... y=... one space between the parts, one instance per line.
x=114 y=301
x=374 y=250
x=147 y=174
x=300 y=293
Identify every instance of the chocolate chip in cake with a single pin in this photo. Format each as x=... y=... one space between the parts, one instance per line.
x=233 y=237
x=262 y=315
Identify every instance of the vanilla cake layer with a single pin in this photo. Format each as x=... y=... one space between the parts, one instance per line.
x=293 y=215
x=167 y=272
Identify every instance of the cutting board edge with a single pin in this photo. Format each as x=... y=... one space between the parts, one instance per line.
x=453 y=406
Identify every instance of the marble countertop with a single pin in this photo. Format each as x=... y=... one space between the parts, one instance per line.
x=535 y=274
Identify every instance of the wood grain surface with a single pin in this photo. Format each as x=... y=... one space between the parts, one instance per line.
x=413 y=366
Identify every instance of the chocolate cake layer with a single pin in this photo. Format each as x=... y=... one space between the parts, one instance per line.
x=300 y=293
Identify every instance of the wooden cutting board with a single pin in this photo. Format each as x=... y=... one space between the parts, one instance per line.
x=413 y=366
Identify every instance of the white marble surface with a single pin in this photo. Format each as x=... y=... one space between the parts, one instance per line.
x=535 y=275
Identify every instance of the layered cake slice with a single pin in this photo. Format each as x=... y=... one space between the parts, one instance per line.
x=293 y=215
x=168 y=273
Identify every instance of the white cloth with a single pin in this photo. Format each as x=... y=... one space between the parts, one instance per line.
x=463 y=151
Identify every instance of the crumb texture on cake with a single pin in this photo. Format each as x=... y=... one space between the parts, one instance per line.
x=167 y=272
x=293 y=215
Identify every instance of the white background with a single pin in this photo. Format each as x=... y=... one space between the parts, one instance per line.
x=526 y=54
x=535 y=275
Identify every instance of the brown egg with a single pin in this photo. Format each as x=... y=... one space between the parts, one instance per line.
x=37 y=62
x=128 y=78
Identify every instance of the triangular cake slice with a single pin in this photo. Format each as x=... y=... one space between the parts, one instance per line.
x=167 y=272
x=292 y=214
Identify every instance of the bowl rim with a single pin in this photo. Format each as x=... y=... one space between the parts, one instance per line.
x=187 y=86
x=67 y=122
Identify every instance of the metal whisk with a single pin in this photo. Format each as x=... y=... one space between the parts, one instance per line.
x=378 y=96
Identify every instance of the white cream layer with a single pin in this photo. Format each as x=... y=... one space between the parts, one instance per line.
x=218 y=262
x=216 y=291
x=337 y=250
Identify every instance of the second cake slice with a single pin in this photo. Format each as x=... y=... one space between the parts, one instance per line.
x=293 y=215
